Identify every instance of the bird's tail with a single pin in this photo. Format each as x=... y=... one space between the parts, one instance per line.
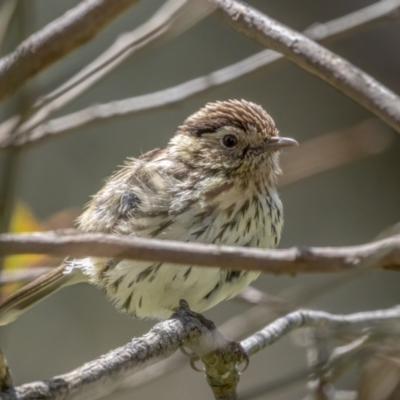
x=26 y=297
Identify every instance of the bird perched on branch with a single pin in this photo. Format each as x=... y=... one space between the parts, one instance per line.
x=215 y=182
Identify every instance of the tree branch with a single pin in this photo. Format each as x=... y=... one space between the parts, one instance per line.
x=170 y=20
x=267 y=309
x=166 y=98
x=57 y=39
x=312 y=57
x=96 y=378
x=382 y=321
x=380 y=254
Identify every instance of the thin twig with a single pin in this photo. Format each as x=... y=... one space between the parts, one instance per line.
x=267 y=309
x=173 y=18
x=375 y=321
x=380 y=254
x=96 y=378
x=344 y=356
x=163 y=99
x=56 y=40
x=169 y=20
x=312 y=57
x=101 y=376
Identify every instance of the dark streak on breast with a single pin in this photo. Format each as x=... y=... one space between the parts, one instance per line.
x=231 y=275
x=127 y=303
x=155 y=269
x=161 y=228
x=117 y=282
x=187 y=273
x=211 y=194
x=144 y=274
x=248 y=225
x=215 y=288
x=244 y=208
x=198 y=233
x=109 y=264
x=229 y=210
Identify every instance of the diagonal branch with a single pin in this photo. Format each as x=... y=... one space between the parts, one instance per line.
x=381 y=254
x=163 y=99
x=57 y=39
x=96 y=378
x=170 y=20
x=312 y=57
x=173 y=17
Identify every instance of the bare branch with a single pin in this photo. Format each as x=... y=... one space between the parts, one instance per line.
x=375 y=321
x=342 y=357
x=96 y=378
x=101 y=376
x=169 y=97
x=312 y=57
x=380 y=254
x=267 y=309
x=57 y=39
x=173 y=18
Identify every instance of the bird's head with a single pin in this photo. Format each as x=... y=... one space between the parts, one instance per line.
x=235 y=137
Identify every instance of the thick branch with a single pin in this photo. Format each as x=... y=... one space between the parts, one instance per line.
x=267 y=309
x=166 y=98
x=96 y=378
x=380 y=254
x=57 y=39
x=312 y=57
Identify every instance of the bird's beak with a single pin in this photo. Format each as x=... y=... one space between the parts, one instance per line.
x=277 y=142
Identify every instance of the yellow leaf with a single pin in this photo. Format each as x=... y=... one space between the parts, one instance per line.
x=23 y=220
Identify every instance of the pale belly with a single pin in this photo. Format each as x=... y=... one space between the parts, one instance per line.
x=155 y=291
x=152 y=290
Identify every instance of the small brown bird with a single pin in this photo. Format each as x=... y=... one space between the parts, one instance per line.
x=215 y=182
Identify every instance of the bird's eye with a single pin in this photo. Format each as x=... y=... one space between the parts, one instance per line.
x=229 y=141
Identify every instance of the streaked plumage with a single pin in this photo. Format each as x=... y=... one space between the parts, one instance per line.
x=199 y=188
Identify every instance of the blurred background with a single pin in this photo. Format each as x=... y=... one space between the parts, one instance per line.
x=346 y=205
